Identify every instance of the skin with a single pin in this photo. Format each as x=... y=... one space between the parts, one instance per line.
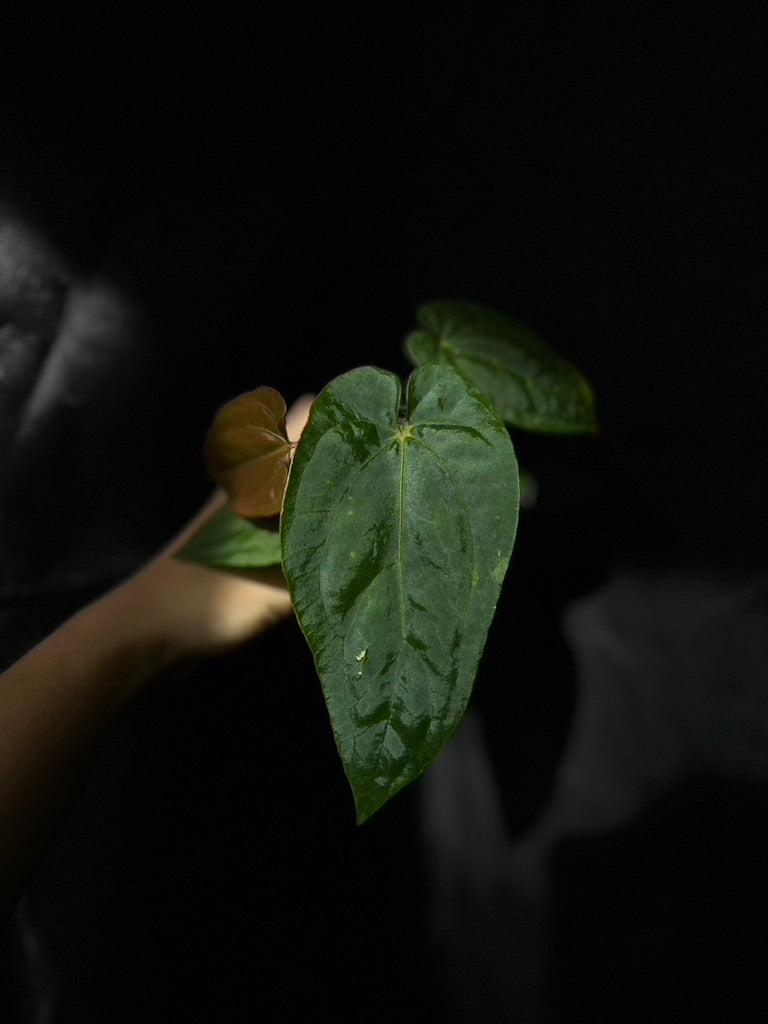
x=58 y=701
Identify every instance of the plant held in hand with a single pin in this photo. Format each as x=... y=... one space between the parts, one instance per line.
x=397 y=526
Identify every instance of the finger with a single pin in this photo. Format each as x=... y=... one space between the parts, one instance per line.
x=297 y=416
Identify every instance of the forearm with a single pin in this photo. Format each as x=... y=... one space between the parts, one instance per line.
x=57 y=702
x=55 y=705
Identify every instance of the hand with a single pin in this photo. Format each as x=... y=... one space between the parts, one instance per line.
x=194 y=611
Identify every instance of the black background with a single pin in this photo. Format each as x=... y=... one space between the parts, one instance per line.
x=276 y=191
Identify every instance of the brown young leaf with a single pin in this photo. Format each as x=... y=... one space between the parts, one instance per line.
x=248 y=453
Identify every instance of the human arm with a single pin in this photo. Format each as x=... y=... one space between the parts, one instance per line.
x=57 y=702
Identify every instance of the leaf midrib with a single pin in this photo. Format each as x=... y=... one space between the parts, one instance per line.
x=401 y=564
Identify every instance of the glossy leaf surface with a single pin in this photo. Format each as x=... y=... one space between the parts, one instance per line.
x=396 y=538
x=529 y=385
x=228 y=541
x=248 y=453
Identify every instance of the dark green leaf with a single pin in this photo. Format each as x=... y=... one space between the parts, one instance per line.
x=228 y=541
x=248 y=453
x=528 y=384
x=396 y=538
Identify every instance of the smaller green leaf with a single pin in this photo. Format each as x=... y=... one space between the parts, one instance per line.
x=247 y=452
x=529 y=384
x=227 y=541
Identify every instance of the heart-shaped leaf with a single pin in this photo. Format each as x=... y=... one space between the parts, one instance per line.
x=529 y=385
x=396 y=537
x=228 y=541
x=247 y=452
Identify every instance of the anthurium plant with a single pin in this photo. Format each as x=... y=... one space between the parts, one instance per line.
x=397 y=515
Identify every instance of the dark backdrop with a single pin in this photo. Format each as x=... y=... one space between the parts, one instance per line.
x=197 y=203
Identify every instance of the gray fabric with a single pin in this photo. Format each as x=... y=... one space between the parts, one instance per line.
x=672 y=692
x=77 y=374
